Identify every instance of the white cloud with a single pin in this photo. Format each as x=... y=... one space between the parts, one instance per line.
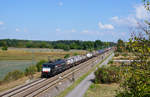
x=141 y=12
x=58 y=30
x=105 y=26
x=85 y=31
x=90 y=32
x=1 y=23
x=130 y=21
x=73 y=30
x=60 y=3
x=17 y=30
x=118 y=20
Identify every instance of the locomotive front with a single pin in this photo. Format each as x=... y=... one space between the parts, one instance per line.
x=47 y=69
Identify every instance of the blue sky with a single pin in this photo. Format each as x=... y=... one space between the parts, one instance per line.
x=107 y=20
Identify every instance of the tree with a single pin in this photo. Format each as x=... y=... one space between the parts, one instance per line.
x=66 y=48
x=120 y=45
x=137 y=81
x=98 y=44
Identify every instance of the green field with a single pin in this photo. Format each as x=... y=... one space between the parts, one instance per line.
x=10 y=65
x=20 y=58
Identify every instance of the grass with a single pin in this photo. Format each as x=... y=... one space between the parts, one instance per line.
x=20 y=58
x=25 y=54
x=102 y=90
x=124 y=56
x=70 y=88
x=12 y=84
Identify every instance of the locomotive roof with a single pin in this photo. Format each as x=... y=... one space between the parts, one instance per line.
x=59 y=61
x=55 y=63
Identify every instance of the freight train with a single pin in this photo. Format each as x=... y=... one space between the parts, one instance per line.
x=53 y=68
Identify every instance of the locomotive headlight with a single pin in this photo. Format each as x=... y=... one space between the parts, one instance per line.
x=46 y=69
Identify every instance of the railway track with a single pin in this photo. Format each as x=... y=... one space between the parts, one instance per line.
x=41 y=85
x=52 y=84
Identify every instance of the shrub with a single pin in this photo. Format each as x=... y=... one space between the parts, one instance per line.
x=5 y=48
x=125 y=54
x=30 y=71
x=14 y=75
x=116 y=54
x=39 y=65
x=110 y=62
x=107 y=74
x=1 y=82
x=136 y=85
x=67 y=56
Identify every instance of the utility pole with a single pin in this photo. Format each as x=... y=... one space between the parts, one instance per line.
x=73 y=79
x=48 y=58
x=32 y=57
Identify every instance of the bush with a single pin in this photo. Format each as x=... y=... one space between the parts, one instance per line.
x=1 y=82
x=67 y=56
x=116 y=54
x=5 y=48
x=136 y=85
x=14 y=75
x=39 y=65
x=110 y=62
x=30 y=71
x=125 y=54
x=107 y=74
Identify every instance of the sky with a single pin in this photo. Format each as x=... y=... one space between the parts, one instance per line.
x=106 y=20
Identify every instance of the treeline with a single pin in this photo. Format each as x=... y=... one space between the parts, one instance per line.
x=60 y=44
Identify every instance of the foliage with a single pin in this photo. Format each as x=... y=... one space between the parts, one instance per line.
x=116 y=54
x=5 y=48
x=147 y=4
x=30 y=71
x=61 y=44
x=107 y=74
x=124 y=54
x=120 y=46
x=39 y=65
x=67 y=56
x=110 y=62
x=1 y=82
x=137 y=83
x=14 y=75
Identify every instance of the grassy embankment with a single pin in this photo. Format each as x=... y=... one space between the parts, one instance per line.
x=102 y=90
x=70 y=88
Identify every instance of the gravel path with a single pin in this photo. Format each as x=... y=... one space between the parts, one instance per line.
x=80 y=90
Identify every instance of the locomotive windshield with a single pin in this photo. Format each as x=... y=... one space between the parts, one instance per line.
x=47 y=65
